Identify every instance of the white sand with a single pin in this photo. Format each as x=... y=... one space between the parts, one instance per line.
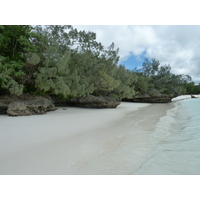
x=78 y=140
x=58 y=142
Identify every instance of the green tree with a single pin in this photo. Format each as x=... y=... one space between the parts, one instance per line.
x=142 y=84
x=127 y=80
x=81 y=67
x=191 y=88
x=15 y=47
x=52 y=72
x=150 y=67
x=156 y=79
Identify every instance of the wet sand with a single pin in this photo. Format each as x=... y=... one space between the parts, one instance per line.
x=79 y=140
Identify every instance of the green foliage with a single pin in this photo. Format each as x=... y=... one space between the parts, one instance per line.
x=141 y=86
x=191 y=88
x=91 y=66
x=156 y=79
x=63 y=61
x=127 y=81
x=103 y=81
x=7 y=82
x=14 y=41
x=149 y=68
x=32 y=58
x=80 y=70
x=154 y=93
x=15 y=48
x=51 y=76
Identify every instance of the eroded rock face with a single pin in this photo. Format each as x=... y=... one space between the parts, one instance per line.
x=94 y=102
x=152 y=99
x=146 y=98
x=34 y=107
x=3 y=108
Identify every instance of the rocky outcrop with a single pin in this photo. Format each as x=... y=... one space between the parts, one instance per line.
x=34 y=107
x=3 y=108
x=152 y=99
x=94 y=102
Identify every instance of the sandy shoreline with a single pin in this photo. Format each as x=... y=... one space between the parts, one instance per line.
x=78 y=140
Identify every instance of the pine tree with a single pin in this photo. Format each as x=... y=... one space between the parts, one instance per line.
x=51 y=75
x=127 y=79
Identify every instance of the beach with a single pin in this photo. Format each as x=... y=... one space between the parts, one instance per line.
x=72 y=141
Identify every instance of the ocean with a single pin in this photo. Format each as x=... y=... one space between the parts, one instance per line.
x=176 y=142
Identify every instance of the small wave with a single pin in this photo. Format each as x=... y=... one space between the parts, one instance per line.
x=176 y=142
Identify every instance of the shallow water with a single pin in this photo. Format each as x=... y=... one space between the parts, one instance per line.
x=131 y=143
x=176 y=142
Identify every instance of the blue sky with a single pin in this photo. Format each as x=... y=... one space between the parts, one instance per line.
x=133 y=61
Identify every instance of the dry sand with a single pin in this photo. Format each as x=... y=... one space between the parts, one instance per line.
x=79 y=140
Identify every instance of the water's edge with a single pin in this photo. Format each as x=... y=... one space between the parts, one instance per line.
x=176 y=142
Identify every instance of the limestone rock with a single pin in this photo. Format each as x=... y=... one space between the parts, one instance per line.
x=94 y=102
x=3 y=108
x=146 y=98
x=34 y=107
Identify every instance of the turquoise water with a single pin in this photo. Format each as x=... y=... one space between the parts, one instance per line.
x=176 y=142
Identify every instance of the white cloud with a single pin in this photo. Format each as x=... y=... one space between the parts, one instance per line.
x=176 y=45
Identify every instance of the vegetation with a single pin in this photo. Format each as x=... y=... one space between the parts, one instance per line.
x=191 y=88
x=157 y=79
x=62 y=61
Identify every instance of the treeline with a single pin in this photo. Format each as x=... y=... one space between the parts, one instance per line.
x=157 y=80
x=192 y=88
x=62 y=61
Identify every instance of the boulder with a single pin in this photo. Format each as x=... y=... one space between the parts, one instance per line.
x=34 y=107
x=3 y=108
x=94 y=102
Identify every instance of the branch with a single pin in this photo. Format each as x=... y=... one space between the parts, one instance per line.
x=14 y=48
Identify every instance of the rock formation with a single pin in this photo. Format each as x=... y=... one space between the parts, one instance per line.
x=25 y=104
x=94 y=102
x=34 y=107
x=146 y=98
x=3 y=108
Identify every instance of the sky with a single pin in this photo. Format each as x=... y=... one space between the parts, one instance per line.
x=177 y=45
